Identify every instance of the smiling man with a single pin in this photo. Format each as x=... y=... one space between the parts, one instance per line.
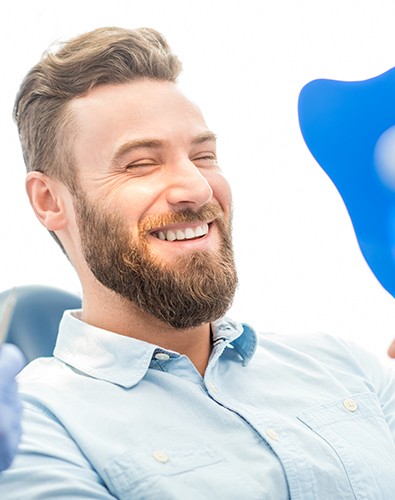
x=151 y=215
x=152 y=392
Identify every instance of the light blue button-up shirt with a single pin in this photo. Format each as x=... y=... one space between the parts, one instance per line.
x=275 y=417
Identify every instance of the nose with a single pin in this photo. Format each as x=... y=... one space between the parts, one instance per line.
x=187 y=187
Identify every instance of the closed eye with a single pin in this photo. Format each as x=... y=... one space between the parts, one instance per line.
x=141 y=164
x=206 y=160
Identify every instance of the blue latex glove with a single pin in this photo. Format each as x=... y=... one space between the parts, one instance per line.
x=11 y=362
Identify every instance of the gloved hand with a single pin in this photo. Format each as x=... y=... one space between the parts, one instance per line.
x=11 y=362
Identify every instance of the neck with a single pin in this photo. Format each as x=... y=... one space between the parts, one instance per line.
x=107 y=310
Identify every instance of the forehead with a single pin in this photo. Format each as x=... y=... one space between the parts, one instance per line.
x=110 y=115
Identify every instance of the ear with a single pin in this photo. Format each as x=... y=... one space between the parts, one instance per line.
x=47 y=198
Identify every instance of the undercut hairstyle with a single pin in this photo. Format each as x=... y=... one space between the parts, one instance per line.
x=104 y=56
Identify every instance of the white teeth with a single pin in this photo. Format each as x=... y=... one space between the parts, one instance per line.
x=199 y=231
x=186 y=234
x=189 y=233
x=170 y=236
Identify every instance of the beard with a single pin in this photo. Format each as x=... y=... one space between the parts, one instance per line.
x=198 y=288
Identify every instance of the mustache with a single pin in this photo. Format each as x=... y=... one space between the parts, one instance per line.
x=209 y=211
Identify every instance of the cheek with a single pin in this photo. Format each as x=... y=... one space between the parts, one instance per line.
x=221 y=191
x=133 y=199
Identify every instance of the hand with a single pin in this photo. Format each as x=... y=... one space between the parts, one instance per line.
x=11 y=362
x=391 y=350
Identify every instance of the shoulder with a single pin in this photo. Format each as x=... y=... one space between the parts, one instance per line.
x=41 y=370
x=338 y=355
x=320 y=345
x=49 y=385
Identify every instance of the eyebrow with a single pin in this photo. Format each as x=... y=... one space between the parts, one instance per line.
x=148 y=143
x=204 y=137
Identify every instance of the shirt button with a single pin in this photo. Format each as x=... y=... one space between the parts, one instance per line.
x=162 y=356
x=350 y=404
x=160 y=456
x=272 y=434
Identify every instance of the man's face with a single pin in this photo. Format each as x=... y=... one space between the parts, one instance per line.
x=153 y=209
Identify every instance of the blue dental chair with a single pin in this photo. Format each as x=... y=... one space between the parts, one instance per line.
x=35 y=318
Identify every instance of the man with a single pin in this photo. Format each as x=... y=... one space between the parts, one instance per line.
x=152 y=392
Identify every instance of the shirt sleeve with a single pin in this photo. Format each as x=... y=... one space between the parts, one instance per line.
x=49 y=464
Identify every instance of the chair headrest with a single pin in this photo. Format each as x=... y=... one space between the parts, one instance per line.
x=36 y=316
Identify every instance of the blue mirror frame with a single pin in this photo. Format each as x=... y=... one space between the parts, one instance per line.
x=349 y=127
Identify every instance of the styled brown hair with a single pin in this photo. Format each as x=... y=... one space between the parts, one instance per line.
x=105 y=55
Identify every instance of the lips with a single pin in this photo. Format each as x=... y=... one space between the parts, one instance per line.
x=179 y=234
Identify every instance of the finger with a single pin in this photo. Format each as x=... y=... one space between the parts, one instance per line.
x=391 y=350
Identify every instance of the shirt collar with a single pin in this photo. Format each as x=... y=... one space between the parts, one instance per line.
x=124 y=360
x=241 y=336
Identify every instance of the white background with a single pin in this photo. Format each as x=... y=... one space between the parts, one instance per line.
x=245 y=63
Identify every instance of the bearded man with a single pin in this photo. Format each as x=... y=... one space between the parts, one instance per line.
x=152 y=392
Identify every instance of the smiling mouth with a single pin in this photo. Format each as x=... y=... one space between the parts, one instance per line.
x=187 y=233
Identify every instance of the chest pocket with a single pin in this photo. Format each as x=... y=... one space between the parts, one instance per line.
x=173 y=472
x=356 y=430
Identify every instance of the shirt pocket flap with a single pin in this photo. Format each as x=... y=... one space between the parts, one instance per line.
x=150 y=472
x=356 y=430
x=357 y=407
